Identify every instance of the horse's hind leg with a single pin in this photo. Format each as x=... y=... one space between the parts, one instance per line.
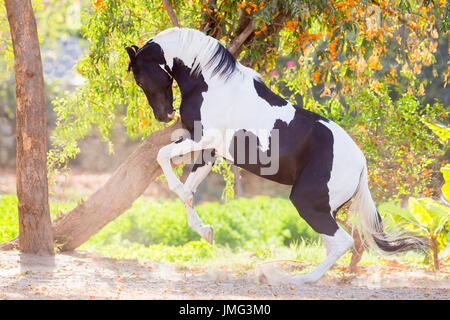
x=310 y=196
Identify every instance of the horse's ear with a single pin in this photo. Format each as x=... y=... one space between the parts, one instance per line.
x=132 y=54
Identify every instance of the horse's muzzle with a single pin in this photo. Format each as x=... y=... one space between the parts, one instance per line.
x=172 y=115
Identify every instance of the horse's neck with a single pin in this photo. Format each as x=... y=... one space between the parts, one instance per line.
x=182 y=75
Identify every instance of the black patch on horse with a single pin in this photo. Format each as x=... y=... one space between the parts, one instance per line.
x=156 y=83
x=206 y=156
x=191 y=88
x=152 y=51
x=311 y=115
x=310 y=193
x=300 y=139
x=267 y=94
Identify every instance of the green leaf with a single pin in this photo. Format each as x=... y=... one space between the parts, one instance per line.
x=420 y=212
x=441 y=240
x=446 y=187
x=436 y=210
x=440 y=130
x=441 y=225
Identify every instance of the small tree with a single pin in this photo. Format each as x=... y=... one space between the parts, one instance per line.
x=35 y=232
x=427 y=217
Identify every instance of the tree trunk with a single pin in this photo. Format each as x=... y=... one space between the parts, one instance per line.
x=435 y=251
x=357 y=252
x=238 y=189
x=358 y=246
x=117 y=195
x=35 y=232
x=171 y=13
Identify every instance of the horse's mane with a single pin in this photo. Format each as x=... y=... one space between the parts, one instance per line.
x=202 y=51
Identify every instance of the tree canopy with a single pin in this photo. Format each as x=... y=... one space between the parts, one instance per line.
x=379 y=68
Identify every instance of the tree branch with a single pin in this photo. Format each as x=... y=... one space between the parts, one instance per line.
x=237 y=42
x=172 y=15
x=117 y=195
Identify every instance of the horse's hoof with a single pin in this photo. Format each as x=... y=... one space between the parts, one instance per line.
x=302 y=280
x=208 y=234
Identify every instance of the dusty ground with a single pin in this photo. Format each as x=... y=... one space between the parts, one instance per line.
x=82 y=275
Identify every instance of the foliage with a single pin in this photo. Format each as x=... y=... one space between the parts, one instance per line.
x=9 y=224
x=334 y=46
x=157 y=230
x=430 y=219
x=446 y=187
x=400 y=149
x=240 y=223
x=440 y=130
x=427 y=218
x=222 y=168
x=62 y=15
x=191 y=252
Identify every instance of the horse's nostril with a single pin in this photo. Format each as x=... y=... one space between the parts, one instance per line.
x=172 y=115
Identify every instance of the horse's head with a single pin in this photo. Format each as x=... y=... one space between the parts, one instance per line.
x=148 y=66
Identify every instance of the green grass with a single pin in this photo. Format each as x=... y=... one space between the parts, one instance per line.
x=247 y=232
x=9 y=223
x=241 y=223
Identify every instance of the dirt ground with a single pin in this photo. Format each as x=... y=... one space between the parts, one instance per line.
x=82 y=275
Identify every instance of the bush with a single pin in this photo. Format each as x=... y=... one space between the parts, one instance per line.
x=9 y=221
x=242 y=223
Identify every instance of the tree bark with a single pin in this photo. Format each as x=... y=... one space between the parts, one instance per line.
x=238 y=189
x=358 y=246
x=35 y=233
x=435 y=251
x=171 y=13
x=357 y=252
x=237 y=42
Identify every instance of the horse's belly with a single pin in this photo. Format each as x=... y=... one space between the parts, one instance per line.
x=279 y=162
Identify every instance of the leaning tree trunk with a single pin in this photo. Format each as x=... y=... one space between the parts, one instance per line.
x=126 y=184
x=35 y=232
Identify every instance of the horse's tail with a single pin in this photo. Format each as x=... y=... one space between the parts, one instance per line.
x=370 y=225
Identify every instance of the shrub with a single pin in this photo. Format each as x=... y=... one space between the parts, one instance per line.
x=240 y=223
x=9 y=221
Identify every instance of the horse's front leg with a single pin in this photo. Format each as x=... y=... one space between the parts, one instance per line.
x=200 y=170
x=177 y=149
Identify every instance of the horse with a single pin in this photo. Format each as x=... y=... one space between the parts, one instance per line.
x=227 y=111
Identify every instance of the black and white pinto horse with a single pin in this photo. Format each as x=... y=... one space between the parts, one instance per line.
x=224 y=107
